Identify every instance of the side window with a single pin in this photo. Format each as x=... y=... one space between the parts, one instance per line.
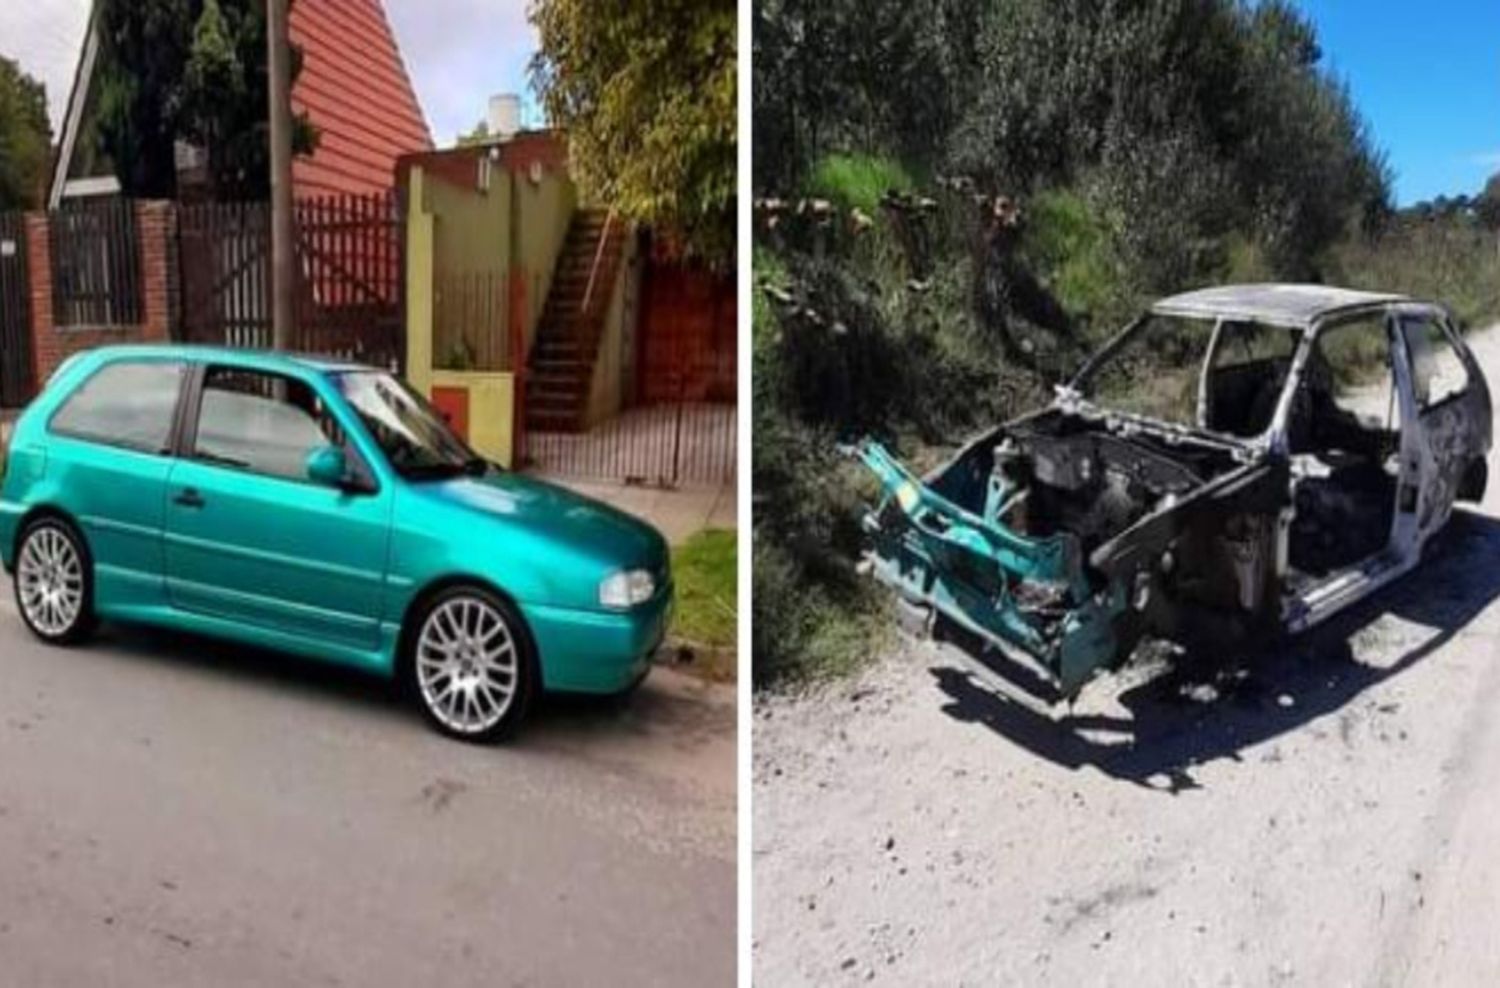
x=264 y=423
x=1437 y=373
x=131 y=405
x=1351 y=371
x=1247 y=377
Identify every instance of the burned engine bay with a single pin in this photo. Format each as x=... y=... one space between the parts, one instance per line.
x=1074 y=535
x=1054 y=474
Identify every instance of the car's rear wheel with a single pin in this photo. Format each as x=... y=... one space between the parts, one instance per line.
x=54 y=582
x=469 y=664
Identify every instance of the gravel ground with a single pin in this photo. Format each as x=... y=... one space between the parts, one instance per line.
x=1322 y=818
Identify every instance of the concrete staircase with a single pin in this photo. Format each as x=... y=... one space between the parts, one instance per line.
x=560 y=368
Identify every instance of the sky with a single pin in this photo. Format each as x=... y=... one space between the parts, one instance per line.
x=458 y=53
x=1427 y=78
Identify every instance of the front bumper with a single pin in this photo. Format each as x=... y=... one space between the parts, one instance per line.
x=1012 y=589
x=593 y=651
x=10 y=520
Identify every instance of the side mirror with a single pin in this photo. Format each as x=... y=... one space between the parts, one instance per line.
x=327 y=465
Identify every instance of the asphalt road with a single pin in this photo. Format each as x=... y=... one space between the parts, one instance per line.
x=176 y=812
x=1328 y=815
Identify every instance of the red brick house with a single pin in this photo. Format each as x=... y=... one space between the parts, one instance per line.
x=353 y=86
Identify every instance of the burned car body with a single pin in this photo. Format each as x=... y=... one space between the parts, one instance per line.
x=1239 y=463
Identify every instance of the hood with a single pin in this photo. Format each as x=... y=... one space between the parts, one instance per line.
x=558 y=514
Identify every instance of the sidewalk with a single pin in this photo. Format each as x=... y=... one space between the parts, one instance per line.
x=678 y=513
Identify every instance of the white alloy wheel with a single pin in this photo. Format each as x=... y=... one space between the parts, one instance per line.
x=468 y=664
x=51 y=582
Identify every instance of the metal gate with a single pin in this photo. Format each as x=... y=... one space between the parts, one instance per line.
x=349 y=294
x=681 y=426
x=16 y=384
x=662 y=444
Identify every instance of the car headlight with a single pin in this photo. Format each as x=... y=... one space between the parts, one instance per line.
x=626 y=589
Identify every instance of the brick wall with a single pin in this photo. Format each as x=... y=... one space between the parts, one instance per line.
x=51 y=345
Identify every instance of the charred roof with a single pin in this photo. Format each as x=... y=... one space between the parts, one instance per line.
x=1282 y=305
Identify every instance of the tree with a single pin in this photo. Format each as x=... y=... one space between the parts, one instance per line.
x=190 y=70
x=25 y=138
x=646 y=94
x=479 y=135
x=1487 y=204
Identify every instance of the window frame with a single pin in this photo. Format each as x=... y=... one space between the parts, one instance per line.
x=170 y=448
x=365 y=480
x=1450 y=336
x=1390 y=326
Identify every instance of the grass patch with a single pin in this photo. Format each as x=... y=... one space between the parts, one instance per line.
x=857 y=179
x=1449 y=261
x=704 y=625
x=1071 y=246
x=704 y=567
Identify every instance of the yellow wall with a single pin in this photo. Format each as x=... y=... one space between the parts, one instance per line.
x=543 y=212
x=491 y=410
x=419 y=251
x=517 y=225
x=472 y=226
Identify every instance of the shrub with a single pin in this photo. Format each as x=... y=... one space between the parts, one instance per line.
x=857 y=180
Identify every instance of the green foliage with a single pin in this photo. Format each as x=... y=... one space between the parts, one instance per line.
x=839 y=74
x=479 y=135
x=646 y=94
x=1216 y=110
x=190 y=70
x=1076 y=251
x=704 y=569
x=884 y=360
x=1487 y=205
x=853 y=180
x=806 y=628
x=25 y=138
x=1451 y=259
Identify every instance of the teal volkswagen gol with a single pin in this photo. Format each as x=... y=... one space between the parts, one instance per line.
x=321 y=509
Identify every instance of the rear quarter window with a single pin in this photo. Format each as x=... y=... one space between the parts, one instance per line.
x=128 y=404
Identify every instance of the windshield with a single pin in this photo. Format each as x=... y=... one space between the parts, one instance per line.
x=1155 y=371
x=415 y=439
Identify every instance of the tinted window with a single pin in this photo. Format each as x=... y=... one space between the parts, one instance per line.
x=124 y=404
x=1437 y=373
x=262 y=422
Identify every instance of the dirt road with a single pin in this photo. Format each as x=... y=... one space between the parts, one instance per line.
x=174 y=812
x=1329 y=817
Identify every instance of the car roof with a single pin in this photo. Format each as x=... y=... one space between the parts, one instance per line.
x=267 y=360
x=1279 y=304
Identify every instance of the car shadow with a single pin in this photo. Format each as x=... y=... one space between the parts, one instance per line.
x=1190 y=712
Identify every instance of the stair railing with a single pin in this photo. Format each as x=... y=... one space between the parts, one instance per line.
x=588 y=291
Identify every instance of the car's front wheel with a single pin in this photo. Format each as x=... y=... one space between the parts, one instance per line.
x=469 y=664
x=54 y=582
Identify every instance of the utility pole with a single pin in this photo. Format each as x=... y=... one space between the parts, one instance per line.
x=283 y=249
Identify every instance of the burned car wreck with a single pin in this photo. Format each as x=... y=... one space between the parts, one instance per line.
x=1239 y=463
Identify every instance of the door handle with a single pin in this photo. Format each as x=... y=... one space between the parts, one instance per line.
x=190 y=498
